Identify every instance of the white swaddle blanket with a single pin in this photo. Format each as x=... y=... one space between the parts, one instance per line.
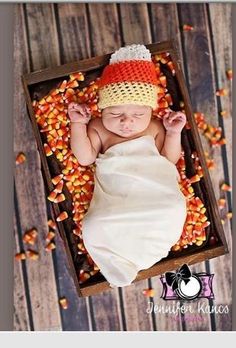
x=137 y=212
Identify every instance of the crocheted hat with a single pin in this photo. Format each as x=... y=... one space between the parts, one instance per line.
x=130 y=78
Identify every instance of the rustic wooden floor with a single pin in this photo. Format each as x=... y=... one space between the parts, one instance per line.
x=52 y=34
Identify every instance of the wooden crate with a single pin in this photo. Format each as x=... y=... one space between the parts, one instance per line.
x=39 y=83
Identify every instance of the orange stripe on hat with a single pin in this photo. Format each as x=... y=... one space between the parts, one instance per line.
x=129 y=71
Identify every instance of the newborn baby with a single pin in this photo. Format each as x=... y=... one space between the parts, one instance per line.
x=137 y=211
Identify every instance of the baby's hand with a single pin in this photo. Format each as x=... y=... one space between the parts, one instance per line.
x=174 y=121
x=79 y=113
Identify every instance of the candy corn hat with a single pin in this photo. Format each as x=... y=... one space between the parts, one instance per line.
x=129 y=78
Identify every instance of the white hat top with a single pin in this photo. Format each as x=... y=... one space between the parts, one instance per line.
x=131 y=52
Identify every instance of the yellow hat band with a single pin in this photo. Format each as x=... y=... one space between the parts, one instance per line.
x=138 y=93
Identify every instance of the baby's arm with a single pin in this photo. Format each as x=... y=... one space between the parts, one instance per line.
x=173 y=123
x=168 y=143
x=172 y=146
x=85 y=141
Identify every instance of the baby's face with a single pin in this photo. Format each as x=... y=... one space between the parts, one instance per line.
x=126 y=120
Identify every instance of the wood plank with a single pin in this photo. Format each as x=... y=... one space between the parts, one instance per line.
x=222 y=47
x=135 y=23
x=21 y=319
x=165 y=321
x=103 y=23
x=32 y=212
x=73 y=31
x=77 y=307
x=165 y=23
x=23 y=134
x=201 y=85
x=42 y=35
x=21 y=316
x=106 y=311
x=40 y=274
x=135 y=307
x=76 y=317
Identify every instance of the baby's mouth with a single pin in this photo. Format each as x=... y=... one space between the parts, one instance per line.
x=126 y=130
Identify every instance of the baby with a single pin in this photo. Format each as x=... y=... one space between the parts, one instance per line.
x=137 y=211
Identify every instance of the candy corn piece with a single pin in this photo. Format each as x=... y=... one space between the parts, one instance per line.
x=31 y=254
x=83 y=277
x=30 y=236
x=225 y=187
x=20 y=256
x=62 y=86
x=52 y=224
x=163 y=80
x=62 y=216
x=187 y=27
x=221 y=203
x=222 y=92
x=176 y=247
x=59 y=187
x=195 y=178
x=73 y=84
x=60 y=198
x=56 y=179
x=50 y=236
x=229 y=74
x=50 y=246
x=52 y=196
x=63 y=302
x=20 y=158
x=47 y=150
x=77 y=76
x=224 y=113
x=149 y=292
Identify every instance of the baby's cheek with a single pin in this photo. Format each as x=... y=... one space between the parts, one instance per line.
x=143 y=123
x=111 y=124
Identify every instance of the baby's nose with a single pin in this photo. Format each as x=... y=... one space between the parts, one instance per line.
x=126 y=120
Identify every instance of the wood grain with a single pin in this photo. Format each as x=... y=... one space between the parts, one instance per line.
x=73 y=31
x=135 y=307
x=21 y=316
x=222 y=47
x=105 y=35
x=45 y=306
x=201 y=85
x=135 y=23
x=40 y=273
x=222 y=51
x=23 y=133
x=77 y=307
x=42 y=35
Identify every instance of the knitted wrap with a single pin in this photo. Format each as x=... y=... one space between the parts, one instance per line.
x=130 y=78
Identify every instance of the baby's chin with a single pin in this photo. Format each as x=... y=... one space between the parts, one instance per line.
x=127 y=134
